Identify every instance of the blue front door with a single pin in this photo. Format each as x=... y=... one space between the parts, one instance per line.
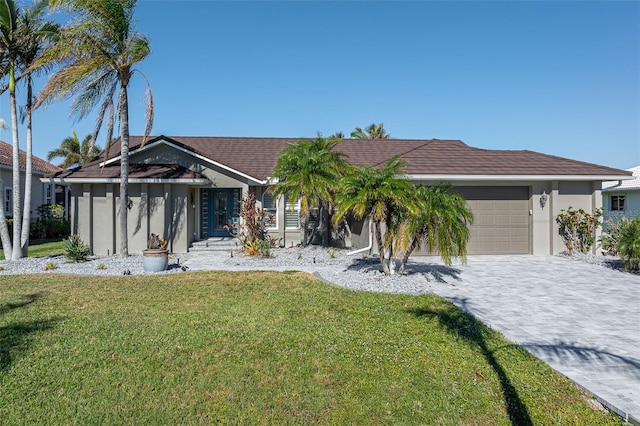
x=220 y=208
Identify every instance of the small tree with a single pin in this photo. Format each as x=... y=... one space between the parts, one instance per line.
x=251 y=230
x=577 y=229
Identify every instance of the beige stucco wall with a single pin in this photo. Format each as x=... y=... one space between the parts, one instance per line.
x=163 y=209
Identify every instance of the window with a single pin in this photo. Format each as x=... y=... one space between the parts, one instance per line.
x=48 y=192
x=8 y=201
x=617 y=203
x=270 y=208
x=292 y=214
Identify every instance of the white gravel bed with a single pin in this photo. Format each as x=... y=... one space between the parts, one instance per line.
x=357 y=272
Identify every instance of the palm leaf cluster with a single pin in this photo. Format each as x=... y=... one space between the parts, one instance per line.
x=404 y=217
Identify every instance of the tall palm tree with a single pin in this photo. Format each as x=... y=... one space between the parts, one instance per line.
x=21 y=37
x=74 y=152
x=99 y=54
x=10 y=49
x=33 y=34
x=310 y=171
x=377 y=194
x=441 y=222
x=374 y=131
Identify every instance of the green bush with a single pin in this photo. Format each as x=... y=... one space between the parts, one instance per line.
x=37 y=230
x=75 y=250
x=629 y=244
x=611 y=237
x=51 y=216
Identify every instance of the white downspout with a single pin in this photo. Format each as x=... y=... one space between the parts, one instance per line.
x=370 y=241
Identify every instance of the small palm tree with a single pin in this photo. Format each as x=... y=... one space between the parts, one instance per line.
x=74 y=152
x=374 y=131
x=310 y=171
x=377 y=194
x=441 y=222
x=98 y=54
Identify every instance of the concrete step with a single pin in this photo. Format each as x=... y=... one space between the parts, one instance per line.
x=215 y=244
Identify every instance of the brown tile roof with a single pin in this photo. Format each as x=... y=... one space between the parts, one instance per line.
x=38 y=164
x=256 y=157
x=136 y=171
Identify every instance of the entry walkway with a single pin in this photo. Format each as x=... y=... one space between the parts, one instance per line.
x=582 y=319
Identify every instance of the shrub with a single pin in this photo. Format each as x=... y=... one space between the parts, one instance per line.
x=251 y=231
x=611 y=237
x=37 y=230
x=629 y=244
x=75 y=250
x=50 y=266
x=577 y=229
x=51 y=216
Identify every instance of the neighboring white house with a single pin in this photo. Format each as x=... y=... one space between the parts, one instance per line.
x=41 y=193
x=622 y=198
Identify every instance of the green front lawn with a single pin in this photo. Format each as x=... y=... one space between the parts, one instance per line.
x=41 y=248
x=260 y=348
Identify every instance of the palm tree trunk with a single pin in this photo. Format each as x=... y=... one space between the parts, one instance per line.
x=408 y=251
x=17 y=202
x=26 y=216
x=381 y=250
x=5 y=238
x=124 y=169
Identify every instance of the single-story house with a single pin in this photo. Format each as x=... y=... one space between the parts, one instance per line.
x=188 y=188
x=622 y=198
x=42 y=192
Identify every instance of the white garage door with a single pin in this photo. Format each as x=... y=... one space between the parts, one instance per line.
x=501 y=219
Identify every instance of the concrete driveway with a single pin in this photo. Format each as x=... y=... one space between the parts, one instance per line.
x=582 y=319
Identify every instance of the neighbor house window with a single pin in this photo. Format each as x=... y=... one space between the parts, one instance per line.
x=270 y=208
x=292 y=213
x=48 y=193
x=8 y=201
x=617 y=203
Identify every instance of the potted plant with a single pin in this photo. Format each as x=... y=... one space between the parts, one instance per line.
x=155 y=257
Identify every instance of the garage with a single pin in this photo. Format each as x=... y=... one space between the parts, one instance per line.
x=501 y=219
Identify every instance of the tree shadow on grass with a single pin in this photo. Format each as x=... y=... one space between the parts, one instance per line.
x=460 y=323
x=16 y=336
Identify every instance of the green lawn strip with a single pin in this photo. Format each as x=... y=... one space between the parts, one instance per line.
x=42 y=248
x=260 y=348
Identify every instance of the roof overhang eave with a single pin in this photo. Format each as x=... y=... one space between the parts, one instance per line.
x=535 y=178
x=69 y=181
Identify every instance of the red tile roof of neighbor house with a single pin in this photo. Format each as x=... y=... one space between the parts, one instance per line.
x=38 y=164
x=256 y=157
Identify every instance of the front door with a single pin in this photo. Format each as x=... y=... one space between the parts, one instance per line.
x=220 y=208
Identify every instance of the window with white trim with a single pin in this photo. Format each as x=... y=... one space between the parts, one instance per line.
x=8 y=201
x=617 y=203
x=292 y=213
x=48 y=193
x=270 y=209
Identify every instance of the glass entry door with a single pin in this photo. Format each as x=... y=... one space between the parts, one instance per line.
x=220 y=208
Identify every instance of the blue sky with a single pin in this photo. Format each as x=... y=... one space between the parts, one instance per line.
x=561 y=78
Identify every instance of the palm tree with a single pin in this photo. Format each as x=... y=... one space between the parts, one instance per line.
x=10 y=49
x=99 y=54
x=33 y=33
x=374 y=131
x=21 y=37
x=441 y=222
x=310 y=171
x=74 y=152
x=377 y=194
